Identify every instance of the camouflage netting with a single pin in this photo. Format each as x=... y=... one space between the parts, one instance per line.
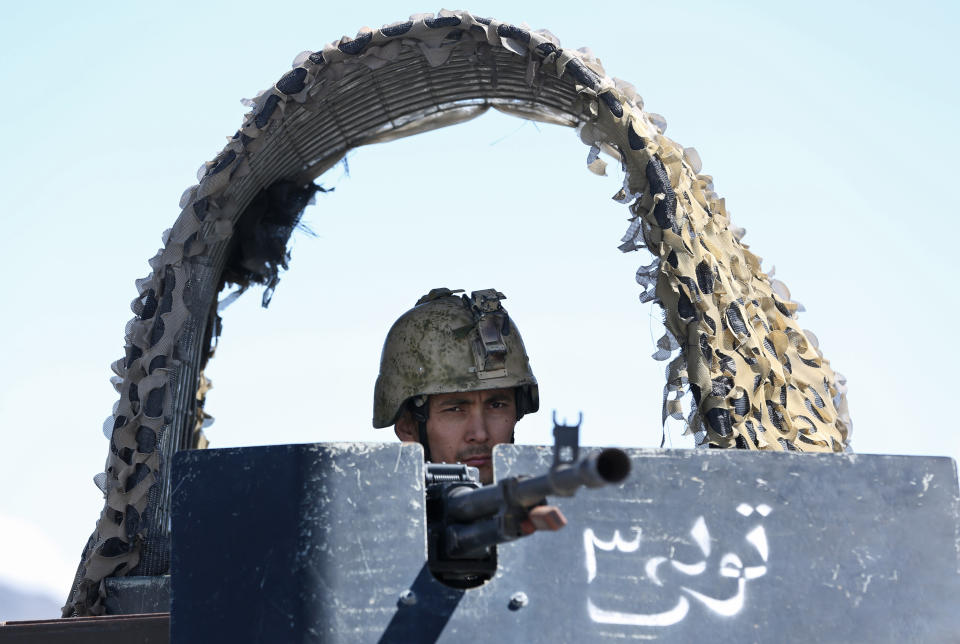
x=756 y=379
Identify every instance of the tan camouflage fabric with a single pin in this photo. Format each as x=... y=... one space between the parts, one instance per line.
x=757 y=379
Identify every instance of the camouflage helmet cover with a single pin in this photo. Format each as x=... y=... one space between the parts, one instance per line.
x=447 y=343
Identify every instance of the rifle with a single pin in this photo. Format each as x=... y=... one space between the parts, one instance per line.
x=465 y=521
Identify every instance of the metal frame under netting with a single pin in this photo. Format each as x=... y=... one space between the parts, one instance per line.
x=756 y=379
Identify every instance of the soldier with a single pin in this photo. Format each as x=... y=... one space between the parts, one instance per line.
x=455 y=377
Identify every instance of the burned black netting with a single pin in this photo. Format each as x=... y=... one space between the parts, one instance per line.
x=260 y=250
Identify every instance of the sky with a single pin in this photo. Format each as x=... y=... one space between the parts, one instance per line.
x=828 y=127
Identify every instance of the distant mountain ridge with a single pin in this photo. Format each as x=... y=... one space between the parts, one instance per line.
x=17 y=604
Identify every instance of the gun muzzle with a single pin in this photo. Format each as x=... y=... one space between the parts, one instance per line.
x=601 y=468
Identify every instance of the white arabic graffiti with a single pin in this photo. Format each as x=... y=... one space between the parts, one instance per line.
x=731 y=566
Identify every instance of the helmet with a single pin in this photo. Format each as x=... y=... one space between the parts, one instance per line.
x=449 y=343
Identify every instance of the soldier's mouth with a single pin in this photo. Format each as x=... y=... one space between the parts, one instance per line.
x=475 y=458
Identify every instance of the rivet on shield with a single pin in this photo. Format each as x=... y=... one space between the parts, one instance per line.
x=518 y=600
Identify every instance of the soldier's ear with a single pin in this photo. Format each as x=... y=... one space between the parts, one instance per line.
x=406 y=427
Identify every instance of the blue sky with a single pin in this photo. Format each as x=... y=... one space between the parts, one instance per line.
x=828 y=126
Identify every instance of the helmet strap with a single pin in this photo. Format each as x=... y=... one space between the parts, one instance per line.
x=419 y=407
x=521 y=399
x=422 y=435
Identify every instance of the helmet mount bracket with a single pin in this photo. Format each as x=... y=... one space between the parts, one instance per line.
x=489 y=347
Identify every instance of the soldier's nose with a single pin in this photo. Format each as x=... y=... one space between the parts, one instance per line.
x=477 y=431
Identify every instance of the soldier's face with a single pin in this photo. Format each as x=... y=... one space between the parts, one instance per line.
x=464 y=427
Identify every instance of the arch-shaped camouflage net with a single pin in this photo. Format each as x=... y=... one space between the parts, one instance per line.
x=757 y=381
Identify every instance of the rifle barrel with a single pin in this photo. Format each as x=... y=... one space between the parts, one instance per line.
x=605 y=467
